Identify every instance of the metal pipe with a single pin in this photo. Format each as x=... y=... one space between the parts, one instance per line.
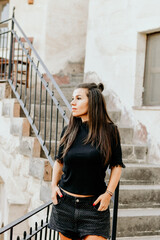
x=11 y=45
x=50 y=139
x=35 y=94
x=55 y=153
x=30 y=92
x=25 y=96
x=6 y=55
x=39 y=127
x=45 y=119
x=115 y=213
x=17 y=66
x=21 y=75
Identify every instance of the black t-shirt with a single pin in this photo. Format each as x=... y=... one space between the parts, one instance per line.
x=83 y=171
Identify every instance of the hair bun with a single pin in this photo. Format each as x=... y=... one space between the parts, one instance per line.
x=100 y=86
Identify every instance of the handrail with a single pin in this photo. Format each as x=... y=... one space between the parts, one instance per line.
x=7 y=20
x=40 y=60
x=38 y=87
x=25 y=217
x=44 y=66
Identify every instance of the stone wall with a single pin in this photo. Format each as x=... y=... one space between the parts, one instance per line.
x=20 y=192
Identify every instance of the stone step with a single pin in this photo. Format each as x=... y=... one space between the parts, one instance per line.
x=126 y=134
x=141 y=174
x=134 y=153
x=155 y=237
x=74 y=67
x=138 y=222
x=139 y=196
x=7 y=107
x=76 y=78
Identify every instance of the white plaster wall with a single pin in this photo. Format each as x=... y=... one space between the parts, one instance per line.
x=115 y=51
x=111 y=46
x=58 y=28
x=66 y=26
x=32 y=20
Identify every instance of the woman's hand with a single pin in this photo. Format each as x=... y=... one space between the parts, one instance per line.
x=55 y=191
x=104 y=200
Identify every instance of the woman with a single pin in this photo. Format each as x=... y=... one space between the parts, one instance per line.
x=89 y=144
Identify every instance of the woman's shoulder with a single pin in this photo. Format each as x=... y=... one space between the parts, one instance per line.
x=114 y=132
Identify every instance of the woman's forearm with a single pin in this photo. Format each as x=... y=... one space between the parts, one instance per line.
x=57 y=173
x=114 y=178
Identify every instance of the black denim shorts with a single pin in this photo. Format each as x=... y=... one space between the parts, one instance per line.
x=76 y=217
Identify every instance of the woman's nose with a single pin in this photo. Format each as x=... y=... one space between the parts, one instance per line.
x=73 y=102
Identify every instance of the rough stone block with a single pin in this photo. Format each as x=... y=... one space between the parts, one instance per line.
x=140 y=152
x=26 y=128
x=36 y=148
x=2 y=90
x=45 y=191
x=126 y=135
x=127 y=151
x=16 y=126
x=36 y=168
x=8 y=91
x=16 y=110
x=6 y=110
x=26 y=144
x=47 y=172
x=16 y=211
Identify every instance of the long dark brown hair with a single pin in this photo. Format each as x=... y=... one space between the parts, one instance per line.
x=99 y=123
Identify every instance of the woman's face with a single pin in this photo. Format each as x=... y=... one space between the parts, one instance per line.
x=80 y=103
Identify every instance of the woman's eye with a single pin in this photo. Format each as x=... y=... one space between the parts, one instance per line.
x=79 y=98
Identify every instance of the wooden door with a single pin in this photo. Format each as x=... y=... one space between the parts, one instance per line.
x=151 y=95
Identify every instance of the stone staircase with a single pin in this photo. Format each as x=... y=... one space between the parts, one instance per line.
x=139 y=197
x=139 y=200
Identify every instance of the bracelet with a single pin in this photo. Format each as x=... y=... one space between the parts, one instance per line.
x=109 y=192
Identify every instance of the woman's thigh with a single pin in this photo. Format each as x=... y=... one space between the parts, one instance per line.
x=63 y=237
x=94 y=237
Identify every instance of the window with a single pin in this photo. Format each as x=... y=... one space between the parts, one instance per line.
x=151 y=94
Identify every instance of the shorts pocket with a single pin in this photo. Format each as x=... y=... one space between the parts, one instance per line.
x=59 y=199
x=97 y=206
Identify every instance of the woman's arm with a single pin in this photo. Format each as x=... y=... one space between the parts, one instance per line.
x=114 y=178
x=57 y=173
x=105 y=198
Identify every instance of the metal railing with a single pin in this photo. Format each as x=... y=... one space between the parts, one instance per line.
x=40 y=230
x=40 y=98
x=34 y=87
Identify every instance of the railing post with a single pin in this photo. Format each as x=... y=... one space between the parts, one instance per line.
x=11 y=46
x=115 y=213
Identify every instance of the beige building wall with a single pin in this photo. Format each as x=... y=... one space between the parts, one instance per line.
x=115 y=51
x=58 y=28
